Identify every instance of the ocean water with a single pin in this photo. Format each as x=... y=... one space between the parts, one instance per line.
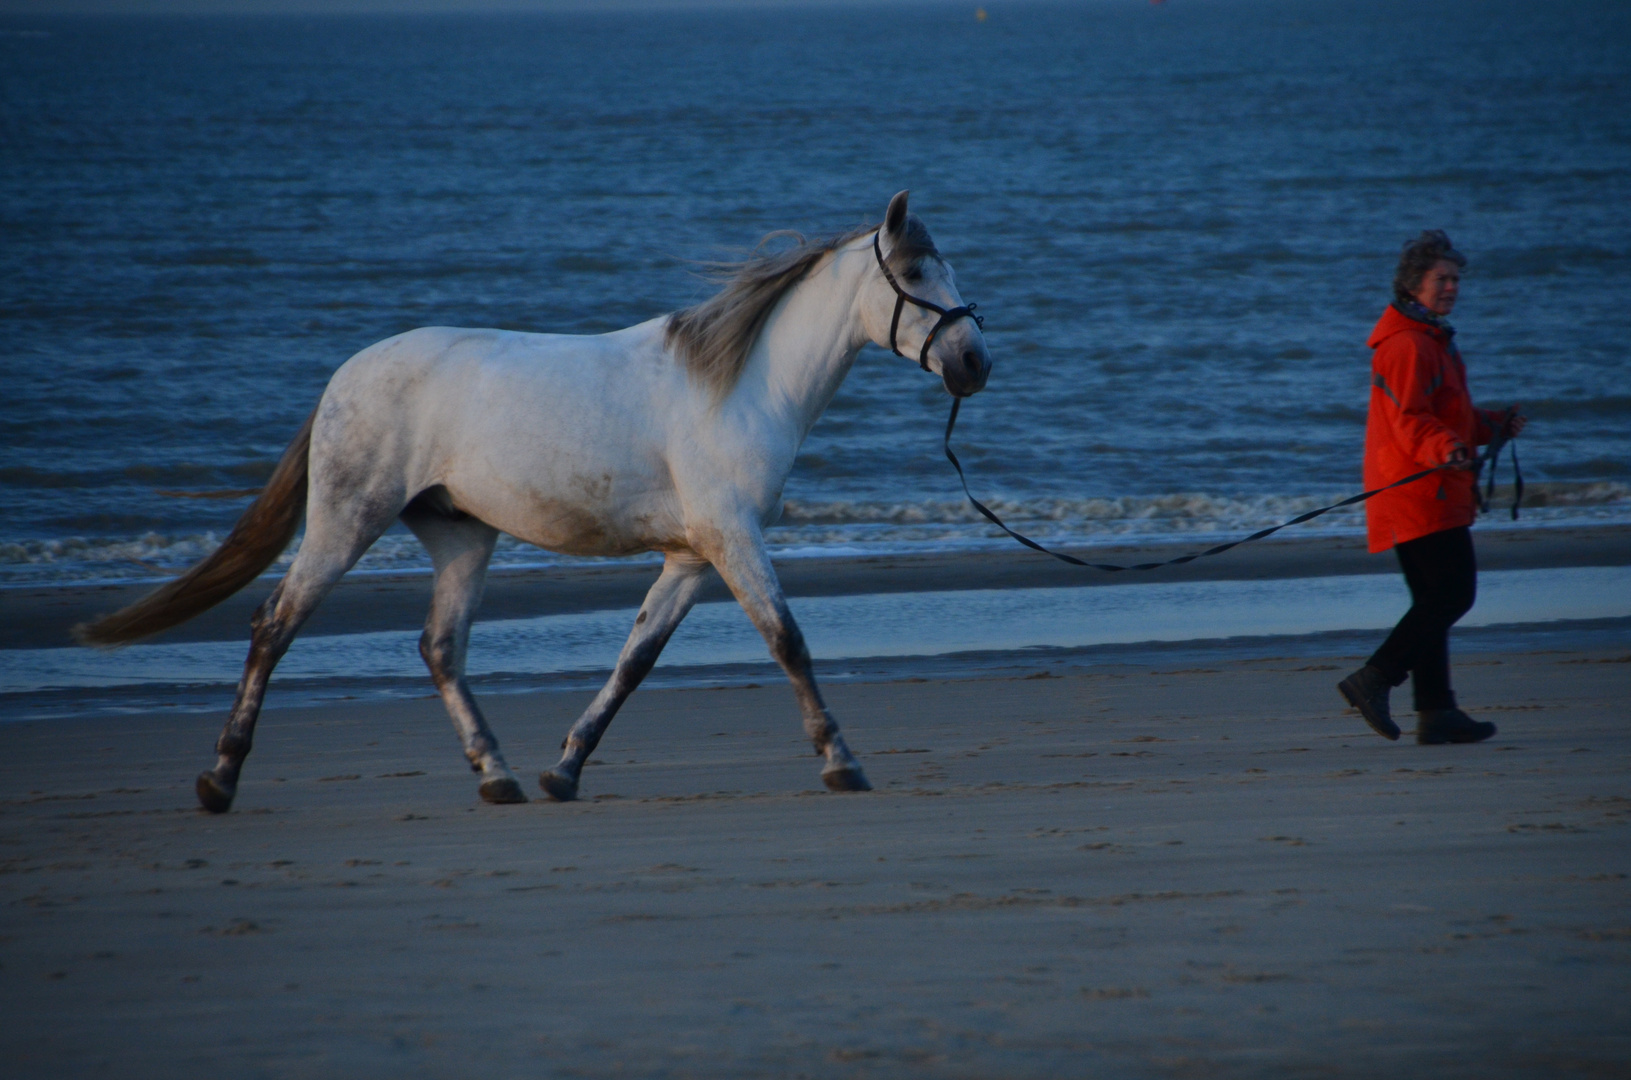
x=1180 y=220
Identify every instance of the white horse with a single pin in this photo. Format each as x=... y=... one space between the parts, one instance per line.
x=675 y=435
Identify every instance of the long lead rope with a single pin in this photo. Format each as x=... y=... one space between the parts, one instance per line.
x=1488 y=457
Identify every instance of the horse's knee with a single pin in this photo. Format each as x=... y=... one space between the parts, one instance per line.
x=440 y=651
x=788 y=647
x=637 y=663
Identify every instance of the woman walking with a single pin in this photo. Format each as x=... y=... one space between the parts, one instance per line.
x=1421 y=416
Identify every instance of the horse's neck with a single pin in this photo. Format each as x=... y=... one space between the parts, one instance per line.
x=810 y=342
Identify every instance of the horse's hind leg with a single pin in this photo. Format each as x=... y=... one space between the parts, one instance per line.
x=330 y=548
x=674 y=594
x=746 y=568
x=460 y=548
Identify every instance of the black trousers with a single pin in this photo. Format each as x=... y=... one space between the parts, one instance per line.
x=1443 y=577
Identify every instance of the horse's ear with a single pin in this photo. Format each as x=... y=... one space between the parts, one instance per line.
x=894 y=219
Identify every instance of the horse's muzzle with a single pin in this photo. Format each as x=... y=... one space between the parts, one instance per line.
x=967 y=373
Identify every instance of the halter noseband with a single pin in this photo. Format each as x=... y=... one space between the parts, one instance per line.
x=902 y=296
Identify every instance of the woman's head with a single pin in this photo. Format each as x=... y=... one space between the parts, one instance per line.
x=1429 y=272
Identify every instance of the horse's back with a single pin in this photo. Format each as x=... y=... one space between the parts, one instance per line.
x=449 y=380
x=432 y=357
x=556 y=439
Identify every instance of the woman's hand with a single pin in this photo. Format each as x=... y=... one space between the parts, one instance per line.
x=1460 y=458
x=1515 y=423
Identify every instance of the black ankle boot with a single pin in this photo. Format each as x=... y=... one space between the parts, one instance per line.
x=1367 y=690
x=1437 y=726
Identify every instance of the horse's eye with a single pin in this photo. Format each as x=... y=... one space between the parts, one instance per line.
x=914 y=274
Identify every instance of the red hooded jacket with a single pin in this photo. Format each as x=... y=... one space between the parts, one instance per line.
x=1420 y=412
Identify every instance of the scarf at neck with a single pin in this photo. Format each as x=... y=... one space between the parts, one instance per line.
x=1412 y=310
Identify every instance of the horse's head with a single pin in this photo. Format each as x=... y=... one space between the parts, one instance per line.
x=914 y=310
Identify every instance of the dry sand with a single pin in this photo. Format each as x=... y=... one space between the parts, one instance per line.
x=1126 y=872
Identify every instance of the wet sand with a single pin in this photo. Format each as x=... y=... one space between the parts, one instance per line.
x=1128 y=871
x=34 y=617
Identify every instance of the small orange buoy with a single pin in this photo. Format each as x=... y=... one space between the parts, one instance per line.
x=979 y=14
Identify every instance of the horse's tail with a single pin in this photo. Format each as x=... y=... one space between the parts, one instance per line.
x=255 y=542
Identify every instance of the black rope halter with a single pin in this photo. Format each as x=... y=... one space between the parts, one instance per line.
x=902 y=296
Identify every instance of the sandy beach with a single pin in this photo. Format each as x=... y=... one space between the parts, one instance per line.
x=1129 y=871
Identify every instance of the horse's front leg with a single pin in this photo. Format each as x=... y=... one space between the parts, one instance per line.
x=746 y=568
x=674 y=594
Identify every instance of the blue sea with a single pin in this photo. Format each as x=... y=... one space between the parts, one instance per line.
x=1180 y=219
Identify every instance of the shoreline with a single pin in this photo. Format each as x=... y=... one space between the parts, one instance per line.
x=41 y=616
x=1609 y=638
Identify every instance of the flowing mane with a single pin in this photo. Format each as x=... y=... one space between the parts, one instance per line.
x=713 y=338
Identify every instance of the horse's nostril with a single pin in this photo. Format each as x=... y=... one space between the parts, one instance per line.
x=971 y=361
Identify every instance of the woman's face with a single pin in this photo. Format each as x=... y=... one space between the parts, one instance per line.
x=1439 y=287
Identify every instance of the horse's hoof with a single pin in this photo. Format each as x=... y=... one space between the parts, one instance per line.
x=502 y=789
x=557 y=786
x=212 y=796
x=850 y=778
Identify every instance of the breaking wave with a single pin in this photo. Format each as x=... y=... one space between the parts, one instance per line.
x=1164 y=515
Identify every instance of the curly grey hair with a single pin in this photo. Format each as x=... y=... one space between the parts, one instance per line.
x=1419 y=256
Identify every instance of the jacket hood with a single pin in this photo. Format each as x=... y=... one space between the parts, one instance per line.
x=1394 y=321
